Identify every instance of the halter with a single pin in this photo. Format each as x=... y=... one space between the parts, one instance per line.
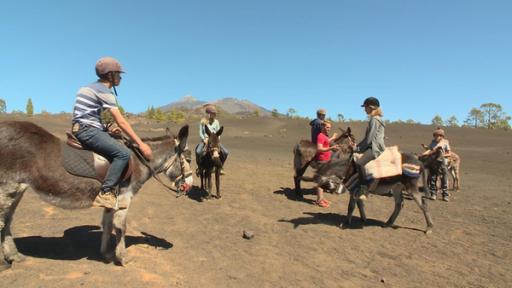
x=167 y=165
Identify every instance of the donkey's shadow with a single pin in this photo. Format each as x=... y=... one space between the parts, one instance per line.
x=332 y=219
x=79 y=242
x=290 y=194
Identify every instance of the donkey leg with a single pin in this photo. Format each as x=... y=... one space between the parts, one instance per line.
x=399 y=203
x=351 y=207
x=416 y=195
x=10 y=195
x=362 y=212
x=8 y=245
x=107 y=223
x=120 y=228
x=296 y=179
x=217 y=182
x=209 y=183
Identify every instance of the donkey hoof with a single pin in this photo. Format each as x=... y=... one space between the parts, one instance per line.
x=428 y=231
x=218 y=197
x=18 y=257
x=124 y=260
x=4 y=266
x=109 y=257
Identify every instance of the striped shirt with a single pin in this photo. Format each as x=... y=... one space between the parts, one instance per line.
x=91 y=100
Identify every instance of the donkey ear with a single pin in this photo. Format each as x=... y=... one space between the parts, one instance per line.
x=182 y=137
x=167 y=131
x=207 y=130
x=220 y=131
x=349 y=131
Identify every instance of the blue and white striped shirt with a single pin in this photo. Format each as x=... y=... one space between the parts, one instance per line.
x=91 y=100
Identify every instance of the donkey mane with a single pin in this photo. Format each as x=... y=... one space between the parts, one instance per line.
x=158 y=138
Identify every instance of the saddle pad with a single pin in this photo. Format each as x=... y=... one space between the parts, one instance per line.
x=78 y=162
x=388 y=164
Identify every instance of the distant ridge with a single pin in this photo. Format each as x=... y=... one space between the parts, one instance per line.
x=230 y=105
x=187 y=102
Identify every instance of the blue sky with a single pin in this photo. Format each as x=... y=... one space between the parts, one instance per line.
x=420 y=58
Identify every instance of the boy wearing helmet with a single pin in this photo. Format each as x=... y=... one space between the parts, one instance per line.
x=88 y=128
x=439 y=142
x=373 y=143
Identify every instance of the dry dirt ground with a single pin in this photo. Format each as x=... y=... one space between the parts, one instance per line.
x=185 y=242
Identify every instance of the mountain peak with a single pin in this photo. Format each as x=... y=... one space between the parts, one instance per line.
x=188 y=98
x=230 y=105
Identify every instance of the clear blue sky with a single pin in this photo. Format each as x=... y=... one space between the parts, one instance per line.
x=419 y=58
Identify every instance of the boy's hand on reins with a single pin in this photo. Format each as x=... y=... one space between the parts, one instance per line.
x=146 y=151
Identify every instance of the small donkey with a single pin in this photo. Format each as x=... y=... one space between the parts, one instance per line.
x=211 y=159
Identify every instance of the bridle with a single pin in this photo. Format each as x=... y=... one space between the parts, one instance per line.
x=183 y=186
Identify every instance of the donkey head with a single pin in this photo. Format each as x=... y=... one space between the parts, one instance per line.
x=331 y=175
x=433 y=159
x=345 y=140
x=213 y=147
x=177 y=168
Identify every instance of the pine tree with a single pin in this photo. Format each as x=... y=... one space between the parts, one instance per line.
x=30 y=108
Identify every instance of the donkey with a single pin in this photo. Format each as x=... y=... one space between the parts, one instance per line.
x=31 y=157
x=304 y=153
x=453 y=167
x=210 y=160
x=331 y=174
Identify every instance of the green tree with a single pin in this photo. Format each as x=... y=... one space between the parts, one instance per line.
x=150 y=113
x=107 y=119
x=475 y=118
x=291 y=112
x=175 y=116
x=275 y=113
x=3 y=106
x=30 y=108
x=493 y=115
x=341 y=118
x=437 y=121
x=159 y=115
x=452 y=121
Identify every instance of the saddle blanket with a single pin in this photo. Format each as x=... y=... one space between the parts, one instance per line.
x=78 y=162
x=411 y=170
x=388 y=164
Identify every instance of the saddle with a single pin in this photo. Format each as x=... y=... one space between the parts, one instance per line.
x=85 y=163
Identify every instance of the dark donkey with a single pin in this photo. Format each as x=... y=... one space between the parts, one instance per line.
x=31 y=157
x=210 y=160
x=396 y=185
x=304 y=153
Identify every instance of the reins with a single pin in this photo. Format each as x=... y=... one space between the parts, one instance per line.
x=154 y=173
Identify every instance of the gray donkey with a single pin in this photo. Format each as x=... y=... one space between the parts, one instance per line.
x=342 y=172
x=31 y=157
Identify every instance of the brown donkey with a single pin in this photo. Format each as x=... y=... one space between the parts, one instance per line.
x=31 y=157
x=304 y=153
x=210 y=160
x=453 y=167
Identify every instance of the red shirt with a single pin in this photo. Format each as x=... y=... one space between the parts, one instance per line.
x=324 y=141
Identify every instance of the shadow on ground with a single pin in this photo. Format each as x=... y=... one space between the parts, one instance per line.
x=332 y=219
x=290 y=194
x=80 y=242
